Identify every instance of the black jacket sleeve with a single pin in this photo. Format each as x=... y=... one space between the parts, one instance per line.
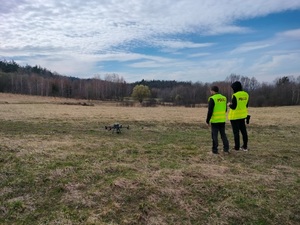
x=211 y=105
x=233 y=104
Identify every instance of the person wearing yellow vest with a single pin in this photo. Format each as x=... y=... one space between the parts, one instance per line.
x=238 y=112
x=216 y=116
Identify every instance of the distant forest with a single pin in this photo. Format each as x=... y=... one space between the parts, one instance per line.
x=35 y=80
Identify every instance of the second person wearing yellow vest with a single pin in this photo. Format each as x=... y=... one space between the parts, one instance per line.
x=238 y=112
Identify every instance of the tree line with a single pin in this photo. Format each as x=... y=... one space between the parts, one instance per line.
x=40 y=81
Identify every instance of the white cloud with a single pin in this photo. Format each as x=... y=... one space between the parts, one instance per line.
x=290 y=34
x=196 y=55
x=177 y=44
x=247 y=47
x=73 y=36
x=109 y=23
x=274 y=64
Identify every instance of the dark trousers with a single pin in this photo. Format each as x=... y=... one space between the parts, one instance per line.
x=237 y=127
x=215 y=129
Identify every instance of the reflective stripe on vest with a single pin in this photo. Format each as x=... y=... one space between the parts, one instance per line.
x=219 y=112
x=241 y=111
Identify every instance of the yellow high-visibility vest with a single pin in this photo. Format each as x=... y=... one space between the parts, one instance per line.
x=241 y=111
x=219 y=112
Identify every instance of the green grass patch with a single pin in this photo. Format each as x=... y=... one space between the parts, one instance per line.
x=76 y=172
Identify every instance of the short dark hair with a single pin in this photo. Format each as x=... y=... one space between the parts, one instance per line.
x=215 y=88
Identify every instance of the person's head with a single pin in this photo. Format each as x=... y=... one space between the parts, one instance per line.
x=214 y=89
x=236 y=86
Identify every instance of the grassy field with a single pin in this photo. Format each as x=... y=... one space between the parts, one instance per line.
x=58 y=165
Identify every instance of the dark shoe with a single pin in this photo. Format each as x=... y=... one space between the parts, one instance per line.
x=215 y=152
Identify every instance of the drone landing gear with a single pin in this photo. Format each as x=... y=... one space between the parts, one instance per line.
x=115 y=128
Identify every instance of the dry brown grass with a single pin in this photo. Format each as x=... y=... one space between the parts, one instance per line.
x=101 y=111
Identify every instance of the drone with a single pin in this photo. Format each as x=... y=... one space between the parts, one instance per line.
x=116 y=128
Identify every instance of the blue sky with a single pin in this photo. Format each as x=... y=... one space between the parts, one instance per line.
x=183 y=40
